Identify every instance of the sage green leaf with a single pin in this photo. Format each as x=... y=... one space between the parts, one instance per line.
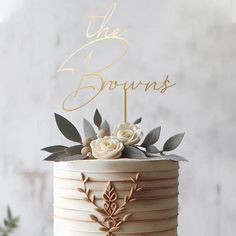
x=133 y=153
x=55 y=148
x=67 y=129
x=55 y=155
x=70 y=158
x=10 y=223
x=173 y=142
x=152 y=137
x=64 y=156
x=97 y=119
x=9 y=213
x=156 y=155
x=174 y=157
x=74 y=150
x=6 y=223
x=137 y=121
x=152 y=149
x=89 y=131
x=105 y=126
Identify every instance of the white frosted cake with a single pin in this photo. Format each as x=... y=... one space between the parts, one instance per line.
x=86 y=204
x=111 y=185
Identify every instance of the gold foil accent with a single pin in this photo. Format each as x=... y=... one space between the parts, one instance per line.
x=113 y=215
x=125 y=106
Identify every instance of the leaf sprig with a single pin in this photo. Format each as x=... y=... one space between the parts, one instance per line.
x=69 y=131
x=171 y=144
x=113 y=215
x=10 y=223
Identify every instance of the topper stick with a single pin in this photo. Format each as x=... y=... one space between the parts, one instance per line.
x=125 y=105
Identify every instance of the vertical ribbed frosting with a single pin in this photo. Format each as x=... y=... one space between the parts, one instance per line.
x=152 y=183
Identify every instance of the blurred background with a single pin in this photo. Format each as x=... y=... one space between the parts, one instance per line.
x=192 y=41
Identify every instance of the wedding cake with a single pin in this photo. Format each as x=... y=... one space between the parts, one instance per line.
x=114 y=183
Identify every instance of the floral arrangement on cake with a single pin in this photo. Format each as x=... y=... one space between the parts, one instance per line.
x=123 y=142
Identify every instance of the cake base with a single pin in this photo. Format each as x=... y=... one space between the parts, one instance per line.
x=89 y=197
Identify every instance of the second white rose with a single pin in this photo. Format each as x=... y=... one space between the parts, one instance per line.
x=128 y=134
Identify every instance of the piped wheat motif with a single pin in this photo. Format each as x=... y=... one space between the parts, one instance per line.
x=113 y=215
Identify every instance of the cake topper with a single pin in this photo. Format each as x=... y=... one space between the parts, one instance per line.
x=125 y=139
x=91 y=79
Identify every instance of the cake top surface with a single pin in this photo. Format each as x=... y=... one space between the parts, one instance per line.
x=125 y=142
x=119 y=165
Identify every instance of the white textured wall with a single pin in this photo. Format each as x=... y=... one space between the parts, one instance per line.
x=193 y=41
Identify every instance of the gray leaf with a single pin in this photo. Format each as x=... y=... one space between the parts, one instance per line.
x=174 y=157
x=152 y=137
x=152 y=149
x=148 y=154
x=70 y=158
x=132 y=152
x=97 y=119
x=55 y=148
x=137 y=121
x=74 y=150
x=63 y=156
x=67 y=128
x=9 y=213
x=55 y=155
x=173 y=142
x=89 y=131
x=105 y=126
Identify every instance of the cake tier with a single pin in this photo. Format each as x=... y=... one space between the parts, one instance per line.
x=141 y=197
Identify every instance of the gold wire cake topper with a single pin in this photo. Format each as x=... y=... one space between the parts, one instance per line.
x=103 y=34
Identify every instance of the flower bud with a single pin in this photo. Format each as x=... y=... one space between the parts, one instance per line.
x=85 y=151
x=86 y=142
x=102 y=133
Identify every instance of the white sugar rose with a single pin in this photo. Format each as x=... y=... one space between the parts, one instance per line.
x=107 y=147
x=128 y=134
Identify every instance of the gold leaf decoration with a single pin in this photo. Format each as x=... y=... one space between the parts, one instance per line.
x=82 y=176
x=126 y=217
x=81 y=190
x=113 y=229
x=111 y=211
x=93 y=218
x=105 y=229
